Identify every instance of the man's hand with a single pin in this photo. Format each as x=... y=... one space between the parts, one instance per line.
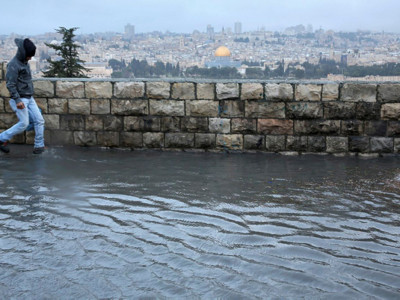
x=20 y=105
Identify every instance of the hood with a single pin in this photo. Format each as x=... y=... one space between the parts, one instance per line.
x=21 y=54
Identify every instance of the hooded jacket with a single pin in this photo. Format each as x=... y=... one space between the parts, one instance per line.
x=19 y=78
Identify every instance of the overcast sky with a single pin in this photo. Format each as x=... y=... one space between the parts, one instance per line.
x=30 y=17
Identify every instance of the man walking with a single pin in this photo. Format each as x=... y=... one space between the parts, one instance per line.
x=20 y=86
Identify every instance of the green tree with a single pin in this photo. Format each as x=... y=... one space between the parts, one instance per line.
x=255 y=73
x=69 y=65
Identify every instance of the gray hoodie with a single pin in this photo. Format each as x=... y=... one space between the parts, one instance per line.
x=19 y=78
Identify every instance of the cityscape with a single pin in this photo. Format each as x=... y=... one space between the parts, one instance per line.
x=225 y=47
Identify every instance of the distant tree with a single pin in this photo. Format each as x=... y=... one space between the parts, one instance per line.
x=69 y=65
x=278 y=72
x=116 y=65
x=254 y=73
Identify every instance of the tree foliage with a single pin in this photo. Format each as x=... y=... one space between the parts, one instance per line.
x=141 y=69
x=305 y=70
x=69 y=65
x=213 y=73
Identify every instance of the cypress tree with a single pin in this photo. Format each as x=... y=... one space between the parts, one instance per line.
x=69 y=65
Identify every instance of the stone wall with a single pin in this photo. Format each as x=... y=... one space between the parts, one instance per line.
x=244 y=115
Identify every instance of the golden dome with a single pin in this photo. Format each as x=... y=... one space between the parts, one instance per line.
x=222 y=51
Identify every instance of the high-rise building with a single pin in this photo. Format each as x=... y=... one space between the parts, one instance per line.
x=210 y=32
x=129 y=31
x=238 y=27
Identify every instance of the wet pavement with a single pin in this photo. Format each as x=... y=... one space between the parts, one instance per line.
x=94 y=224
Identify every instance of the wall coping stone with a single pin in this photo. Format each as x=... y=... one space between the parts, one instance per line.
x=201 y=80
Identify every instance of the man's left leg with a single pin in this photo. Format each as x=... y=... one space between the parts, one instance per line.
x=38 y=123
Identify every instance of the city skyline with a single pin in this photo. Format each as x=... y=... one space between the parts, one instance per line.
x=186 y=16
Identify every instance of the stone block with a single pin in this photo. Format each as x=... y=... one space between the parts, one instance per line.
x=252 y=91
x=265 y=109
x=179 y=140
x=1 y=71
x=241 y=125
x=308 y=92
x=229 y=141
x=113 y=123
x=58 y=106
x=316 y=143
x=317 y=127
x=85 y=138
x=148 y=123
x=4 y=70
x=304 y=110
x=352 y=127
x=275 y=126
x=393 y=128
x=130 y=90
x=275 y=143
x=129 y=107
x=2 y=108
x=7 y=120
x=254 y=142
x=100 y=106
x=375 y=128
x=397 y=145
x=52 y=121
x=282 y=91
x=96 y=89
x=107 y=138
x=368 y=111
x=389 y=92
x=219 y=125
x=382 y=145
x=79 y=106
x=296 y=143
x=190 y=124
x=61 y=137
x=339 y=110
x=359 y=144
x=42 y=104
x=390 y=111
x=29 y=137
x=72 y=122
x=158 y=90
x=171 y=124
x=183 y=91
x=70 y=89
x=205 y=91
x=43 y=88
x=358 y=92
x=20 y=138
x=167 y=107
x=131 y=139
x=205 y=140
x=202 y=108
x=94 y=123
x=330 y=91
x=227 y=91
x=7 y=107
x=337 y=144
x=3 y=90
x=229 y=108
x=153 y=140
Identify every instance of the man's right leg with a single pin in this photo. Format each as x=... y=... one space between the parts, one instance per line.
x=23 y=122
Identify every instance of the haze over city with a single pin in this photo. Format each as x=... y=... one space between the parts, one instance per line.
x=40 y=16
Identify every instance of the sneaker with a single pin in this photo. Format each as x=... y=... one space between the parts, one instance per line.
x=38 y=150
x=4 y=148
